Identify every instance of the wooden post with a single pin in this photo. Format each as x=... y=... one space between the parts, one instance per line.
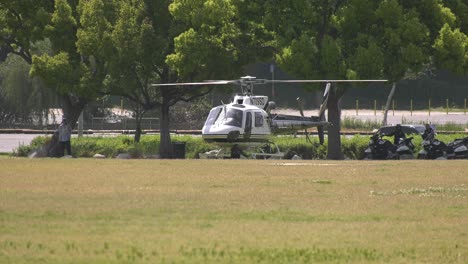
x=429 y=107
x=375 y=107
x=357 y=107
x=411 y=106
x=447 y=103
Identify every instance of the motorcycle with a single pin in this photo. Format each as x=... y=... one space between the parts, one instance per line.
x=405 y=148
x=379 y=149
x=433 y=149
x=458 y=149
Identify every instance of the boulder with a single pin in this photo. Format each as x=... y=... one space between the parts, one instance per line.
x=99 y=156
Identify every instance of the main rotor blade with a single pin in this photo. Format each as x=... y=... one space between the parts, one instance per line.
x=194 y=83
x=322 y=81
x=259 y=81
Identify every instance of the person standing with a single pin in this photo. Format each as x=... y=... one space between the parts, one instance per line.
x=64 y=136
x=429 y=133
x=398 y=134
x=237 y=152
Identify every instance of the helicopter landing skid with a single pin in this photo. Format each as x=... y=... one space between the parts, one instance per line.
x=253 y=150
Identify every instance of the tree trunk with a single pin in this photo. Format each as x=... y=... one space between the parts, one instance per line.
x=165 y=146
x=389 y=101
x=138 y=128
x=334 y=117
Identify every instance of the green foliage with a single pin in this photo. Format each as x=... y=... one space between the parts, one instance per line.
x=62 y=27
x=25 y=150
x=353 y=147
x=24 y=97
x=451 y=50
x=54 y=70
x=291 y=57
x=359 y=124
x=22 y=24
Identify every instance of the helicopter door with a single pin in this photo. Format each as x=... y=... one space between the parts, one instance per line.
x=248 y=125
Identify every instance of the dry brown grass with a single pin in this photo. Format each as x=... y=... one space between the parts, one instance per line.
x=199 y=211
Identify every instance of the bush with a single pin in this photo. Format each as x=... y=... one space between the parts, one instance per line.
x=353 y=148
x=25 y=150
x=299 y=146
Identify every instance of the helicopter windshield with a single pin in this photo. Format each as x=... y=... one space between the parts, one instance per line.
x=230 y=117
x=214 y=114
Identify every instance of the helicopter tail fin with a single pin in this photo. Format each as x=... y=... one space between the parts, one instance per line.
x=323 y=106
x=300 y=105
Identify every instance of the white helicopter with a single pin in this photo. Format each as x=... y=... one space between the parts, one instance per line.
x=248 y=120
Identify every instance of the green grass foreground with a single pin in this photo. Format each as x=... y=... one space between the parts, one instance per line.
x=232 y=211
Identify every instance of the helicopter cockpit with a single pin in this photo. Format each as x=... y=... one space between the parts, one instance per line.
x=227 y=116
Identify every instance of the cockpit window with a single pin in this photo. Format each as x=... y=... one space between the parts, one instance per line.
x=230 y=117
x=213 y=116
x=234 y=117
x=258 y=119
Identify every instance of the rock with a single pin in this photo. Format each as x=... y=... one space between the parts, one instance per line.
x=99 y=156
x=38 y=153
x=123 y=156
x=296 y=157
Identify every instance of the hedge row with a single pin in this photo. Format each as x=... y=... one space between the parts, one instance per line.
x=353 y=147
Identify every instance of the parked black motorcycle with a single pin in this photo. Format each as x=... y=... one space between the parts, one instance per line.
x=405 y=148
x=379 y=149
x=382 y=149
x=458 y=149
x=433 y=149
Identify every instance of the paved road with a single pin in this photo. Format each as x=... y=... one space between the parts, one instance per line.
x=8 y=142
x=396 y=117
x=407 y=117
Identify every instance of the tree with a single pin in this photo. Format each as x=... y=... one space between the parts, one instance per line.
x=21 y=27
x=64 y=69
x=355 y=40
x=451 y=50
x=405 y=42
x=22 y=24
x=130 y=42
x=27 y=98
x=310 y=46
x=188 y=41
x=219 y=38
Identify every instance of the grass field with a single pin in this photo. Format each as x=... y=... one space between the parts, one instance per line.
x=232 y=211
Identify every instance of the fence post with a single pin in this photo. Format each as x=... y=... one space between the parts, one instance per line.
x=393 y=107
x=375 y=107
x=447 y=103
x=357 y=107
x=429 y=106
x=411 y=106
